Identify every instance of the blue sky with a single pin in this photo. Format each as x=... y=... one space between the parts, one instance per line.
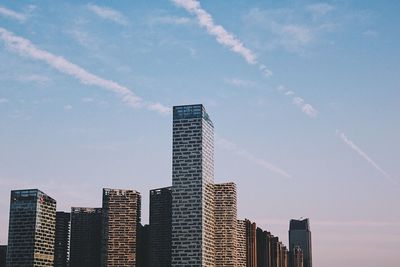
x=304 y=97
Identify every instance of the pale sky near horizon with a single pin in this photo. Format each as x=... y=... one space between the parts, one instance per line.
x=304 y=96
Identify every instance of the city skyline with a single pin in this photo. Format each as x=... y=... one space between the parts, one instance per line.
x=304 y=98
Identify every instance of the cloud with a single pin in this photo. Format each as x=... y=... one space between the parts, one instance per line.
x=41 y=79
x=108 y=14
x=25 y=48
x=362 y=154
x=239 y=82
x=171 y=20
x=227 y=145
x=320 y=9
x=3 y=100
x=306 y=108
x=67 y=107
x=370 y=33
x=12 y=14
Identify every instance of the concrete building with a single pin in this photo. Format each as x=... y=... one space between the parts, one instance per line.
x=120 y=222
x=192 y=187
x=31 y=229
x=3 y=254
x=241 y=244
x=61 y=243
x=251 y=244
x=160 y=227
x=225 y=225
x=300 y=235
x=85 y=239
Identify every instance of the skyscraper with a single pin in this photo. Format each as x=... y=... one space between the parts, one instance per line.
x=85 y=237
x=160 y=227
x=241 y=246
x=251 y=244
x=192 y=187
x=31 y=229
x=61 y=244
x=3 y=253
x=225 y=225
x=121 y=219
x=300 y=235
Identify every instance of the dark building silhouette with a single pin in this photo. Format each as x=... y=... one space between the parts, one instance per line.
x=160 y=227
x=300 y=235
x=61 y=244
x=143 y=248
x=3 y=253
x=120 y=222
x=31 y=229
x=251 y=244
x=263 y=248
x=85 y=241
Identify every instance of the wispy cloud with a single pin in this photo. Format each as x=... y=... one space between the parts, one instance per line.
x=12 y=14
x=25 y=48
x=3 y=100
x=170 y=20
x=227 y=145
x=320 y=9
x=67 y=107
x=306 y=108
x=41 y=79
x=239 y=82
x=364 y=155
x=370 y=33
x=108 y=14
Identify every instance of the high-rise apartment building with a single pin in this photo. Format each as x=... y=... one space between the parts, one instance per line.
x=241 y=244
x=300 y=235
x=225 y=225
x=61 y=243
x=85 y=240
x=160 y=227
x=31 y=229
x=121 y=219
x=251 y=244
x=192 y=187
x=263 y=248
x=143 y=246
x=296 y=257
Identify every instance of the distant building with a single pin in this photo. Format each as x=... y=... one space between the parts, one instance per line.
x=251 y=244
x=160 y=227
x=120 y=222
x=143 y=247
x=296 y=257
x=3 y=253
x=263 y=248
x=192 y=187
x=300 y=235
x=31 y=229
x=225 y=224
x=85 y=240
x=61 y=244
x=241 y=244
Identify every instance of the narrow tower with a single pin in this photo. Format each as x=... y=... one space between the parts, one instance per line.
x=300 y=235
x=192 y=187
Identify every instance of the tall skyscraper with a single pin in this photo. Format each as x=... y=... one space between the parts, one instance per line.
x=192 y=187
x=3 y=253
x=263 y=248
x=121 y=219
x=31 y=229
x=85 y=241
x=143 y=246
x=61 y=244
x=296 y=257
x=160 y=227
x=251 y=244
x=225 y=225
x=300 y=235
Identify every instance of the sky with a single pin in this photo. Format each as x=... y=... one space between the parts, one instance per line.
x=304 y=96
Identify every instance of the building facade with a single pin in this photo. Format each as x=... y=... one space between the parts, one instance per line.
x=296 y=257
x=31 y=229
x=61 y=243
x=160 y=227
x=85 y=239
x=192 y=187
x=251 y=244
x=120 y=222
x=3 y=254
x=225 y=225
x=241 y=244
x=263 y=248
x=300 y=235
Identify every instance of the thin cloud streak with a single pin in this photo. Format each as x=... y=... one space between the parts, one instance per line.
x=25 y=48
x=306 y=108
x=108 y=14
x=364 y=155
x=227 y=145
x=12 y=14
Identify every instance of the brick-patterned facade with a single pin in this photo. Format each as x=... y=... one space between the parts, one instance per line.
x=192 y=187
x=121 y=219
x=31 y=229
x=241 y=244
x=160 y=227
x=251 y=244
x=85 y=239
x=225 y=225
